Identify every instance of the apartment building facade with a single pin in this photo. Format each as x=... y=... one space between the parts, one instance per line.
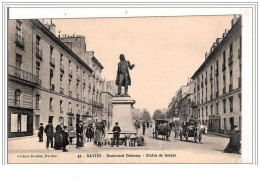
x=53 y=82
x=217 y=82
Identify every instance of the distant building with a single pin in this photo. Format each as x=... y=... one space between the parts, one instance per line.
x=217 y=82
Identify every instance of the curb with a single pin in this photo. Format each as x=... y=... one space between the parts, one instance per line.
x=219 y=134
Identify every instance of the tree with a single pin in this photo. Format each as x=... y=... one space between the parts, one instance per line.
x=157 y=114
x=146 y=116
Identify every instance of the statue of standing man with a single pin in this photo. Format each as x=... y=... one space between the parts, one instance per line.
x=123 y=77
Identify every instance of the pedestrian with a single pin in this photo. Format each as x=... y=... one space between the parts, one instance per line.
x=234 y=144
x=143 y=128
x=65 y=141
x=116 y=130
x=89 y=132
x=40 y=133
x=136 y=126
x=58 y=137
x=98 y=134
x=79 y=131
x=147 y=124
x=49 y=133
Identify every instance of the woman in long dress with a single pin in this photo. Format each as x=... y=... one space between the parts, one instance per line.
x=89 y=133
x=98 y=135
x=58 y=138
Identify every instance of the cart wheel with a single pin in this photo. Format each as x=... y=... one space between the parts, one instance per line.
x=187 y=136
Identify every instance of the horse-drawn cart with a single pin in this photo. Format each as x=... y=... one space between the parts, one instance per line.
x=192 y=129
x=162 y=128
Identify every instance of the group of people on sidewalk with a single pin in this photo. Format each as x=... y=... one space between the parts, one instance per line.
x=145 y=125
x=60 y=138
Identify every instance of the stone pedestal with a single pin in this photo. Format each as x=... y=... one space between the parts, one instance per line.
x=122 y=113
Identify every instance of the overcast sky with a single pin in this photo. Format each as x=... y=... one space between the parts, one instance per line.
x=166 y=50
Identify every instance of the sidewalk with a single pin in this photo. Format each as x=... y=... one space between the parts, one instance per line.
x=219 y=134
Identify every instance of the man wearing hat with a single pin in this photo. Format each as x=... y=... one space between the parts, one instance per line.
x=49 y=133
x=40 y=133
x=116 y=136
x=65 y=140
x=79 y=130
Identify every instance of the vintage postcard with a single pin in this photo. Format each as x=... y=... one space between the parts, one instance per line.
x=147 y=89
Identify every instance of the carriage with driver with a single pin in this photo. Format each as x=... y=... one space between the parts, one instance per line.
x=162 y=128
x=193 y=129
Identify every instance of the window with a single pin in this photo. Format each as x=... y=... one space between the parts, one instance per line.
x=18 y=61
x=61 y=58
x=18 y=27
x=240 y=102
x=69 y=84
x=224 y=105
x=211 y=109
x=231 y=76
x=61 y=106
x=231 y=50
x=216 y=108
x=51 y=51
x=17 y=98
x=225 y=124
x=38 y=69
x=51 y=104
x=37 y=101
x=206 y=111
x=70 y=108
x=224 y=56
x=231 y=104
x=38 y=39
x=69 y=64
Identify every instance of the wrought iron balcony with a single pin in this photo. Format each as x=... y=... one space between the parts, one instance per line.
x=23 y=75
x=230 y=60
x=52 y=62
x=39 y=53
x=230 y=87
x=19 y=41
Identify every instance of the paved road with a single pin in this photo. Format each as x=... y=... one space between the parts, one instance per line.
x=187 y=151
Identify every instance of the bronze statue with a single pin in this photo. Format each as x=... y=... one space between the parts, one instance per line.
x=123 y=77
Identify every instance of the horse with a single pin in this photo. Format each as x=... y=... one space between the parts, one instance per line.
x=201 y=129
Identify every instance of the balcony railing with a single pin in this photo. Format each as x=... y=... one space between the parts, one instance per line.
x=52 y=62
x=230 y=60
x=224 y=90
x=230 y=87
x=19 y=41
x=62 y=67
x=70 y=93
x=239 y=82
x=239 y=53
x=52 y=87
x=21 y=74
x=216 y=94
x=70 y=73
x=61 y=90
x=39 y=53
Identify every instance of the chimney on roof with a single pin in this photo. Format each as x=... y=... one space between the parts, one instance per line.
x=234 y=20
x=53 y=28
x=206 y=55
x=59 y=33
x=218 y=40
x=47 y=25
